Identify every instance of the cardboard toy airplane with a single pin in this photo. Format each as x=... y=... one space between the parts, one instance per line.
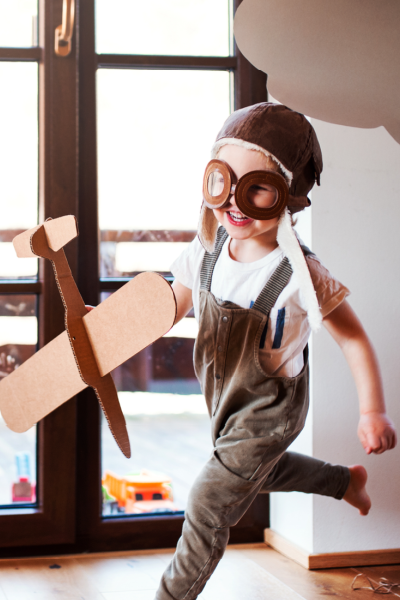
x=94 y=342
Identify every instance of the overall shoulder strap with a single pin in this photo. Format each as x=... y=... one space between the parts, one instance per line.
x=209 y=260
x=274 y=286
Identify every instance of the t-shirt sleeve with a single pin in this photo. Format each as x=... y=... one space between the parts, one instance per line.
x=187 y=265
x=330 y=292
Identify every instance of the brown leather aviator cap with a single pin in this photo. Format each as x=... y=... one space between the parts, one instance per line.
x=285 y=134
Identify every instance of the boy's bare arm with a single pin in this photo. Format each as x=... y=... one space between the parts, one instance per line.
x=375 y=430
x=184 y=301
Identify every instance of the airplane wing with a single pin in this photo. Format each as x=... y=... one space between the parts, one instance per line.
x=139 y=313
x=40 y=385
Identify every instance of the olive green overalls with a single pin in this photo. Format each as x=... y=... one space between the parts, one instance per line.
x=254 y=418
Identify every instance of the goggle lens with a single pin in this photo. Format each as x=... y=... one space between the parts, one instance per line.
x=262 y=195
x=215 y=183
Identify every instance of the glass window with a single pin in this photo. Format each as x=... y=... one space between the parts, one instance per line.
x=155 y=132
x=158 y=256
x=177 y=27
x=168 y=426
x=18 y=23
x=18 y=163
x=18 y=341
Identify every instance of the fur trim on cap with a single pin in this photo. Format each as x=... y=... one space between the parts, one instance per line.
x=207 y=230
x=249 y=146
x=289 y=243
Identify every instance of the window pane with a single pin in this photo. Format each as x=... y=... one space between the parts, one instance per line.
x=18 y=163
x=18 y=23
x=155 y=132
x=168 y=426
x=18 y=340
x=177 y=27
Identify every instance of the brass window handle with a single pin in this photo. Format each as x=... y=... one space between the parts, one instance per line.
x=63 y=33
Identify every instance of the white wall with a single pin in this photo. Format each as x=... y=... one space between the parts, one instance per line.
x=355 y=232
x=292 y=514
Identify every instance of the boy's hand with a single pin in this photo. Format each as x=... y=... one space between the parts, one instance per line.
x=89 y=307
x=376 y=432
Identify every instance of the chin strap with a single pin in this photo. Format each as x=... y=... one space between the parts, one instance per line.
x=289 y=243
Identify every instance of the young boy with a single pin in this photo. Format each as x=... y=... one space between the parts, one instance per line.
x=257 y=294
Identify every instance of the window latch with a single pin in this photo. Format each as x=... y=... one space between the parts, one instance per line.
x=63 y=34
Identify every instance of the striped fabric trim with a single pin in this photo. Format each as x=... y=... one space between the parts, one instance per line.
x=274 y=286
x=269 y=294
x=209 y=260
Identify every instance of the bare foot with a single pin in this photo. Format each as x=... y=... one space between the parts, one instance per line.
x=356 y=494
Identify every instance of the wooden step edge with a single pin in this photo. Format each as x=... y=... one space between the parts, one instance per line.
x=331 y=560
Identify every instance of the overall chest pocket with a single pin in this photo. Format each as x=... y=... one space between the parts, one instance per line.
x=281 y=320
x=275 y=333
x=276 y=341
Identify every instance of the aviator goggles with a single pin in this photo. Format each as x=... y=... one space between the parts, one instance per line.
x=260 y=195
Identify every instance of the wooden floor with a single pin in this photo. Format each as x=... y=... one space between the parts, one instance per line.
x=253 y=572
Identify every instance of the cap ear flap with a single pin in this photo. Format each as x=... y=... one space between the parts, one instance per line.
x=207 y=229
x=297 y=203
x=290 y=245
x=317 y=169
x=317 y=159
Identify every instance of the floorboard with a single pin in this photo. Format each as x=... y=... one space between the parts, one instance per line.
x=375 y=574
x=247 y=572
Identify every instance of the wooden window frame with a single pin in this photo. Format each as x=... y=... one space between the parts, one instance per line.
x=68 y=518
x=52 y=521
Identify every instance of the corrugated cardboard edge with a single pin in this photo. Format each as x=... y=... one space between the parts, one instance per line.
x=63 y=230
x=59 y=230
x=23 y=245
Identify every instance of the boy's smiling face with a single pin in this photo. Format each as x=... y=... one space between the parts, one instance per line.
x=237 y=225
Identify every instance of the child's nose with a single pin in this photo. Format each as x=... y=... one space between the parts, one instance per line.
x=232 y=198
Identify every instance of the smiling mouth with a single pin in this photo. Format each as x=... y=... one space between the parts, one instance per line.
x=237 y=218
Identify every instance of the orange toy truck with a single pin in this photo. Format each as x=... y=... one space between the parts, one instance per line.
x=140 y=492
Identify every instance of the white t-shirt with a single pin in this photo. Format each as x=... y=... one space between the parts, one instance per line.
x=241 y=283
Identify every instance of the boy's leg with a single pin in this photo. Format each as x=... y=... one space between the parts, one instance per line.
x=299 y=473
x=218 y=499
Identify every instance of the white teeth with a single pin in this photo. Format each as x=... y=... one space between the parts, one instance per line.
x=237 y=217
